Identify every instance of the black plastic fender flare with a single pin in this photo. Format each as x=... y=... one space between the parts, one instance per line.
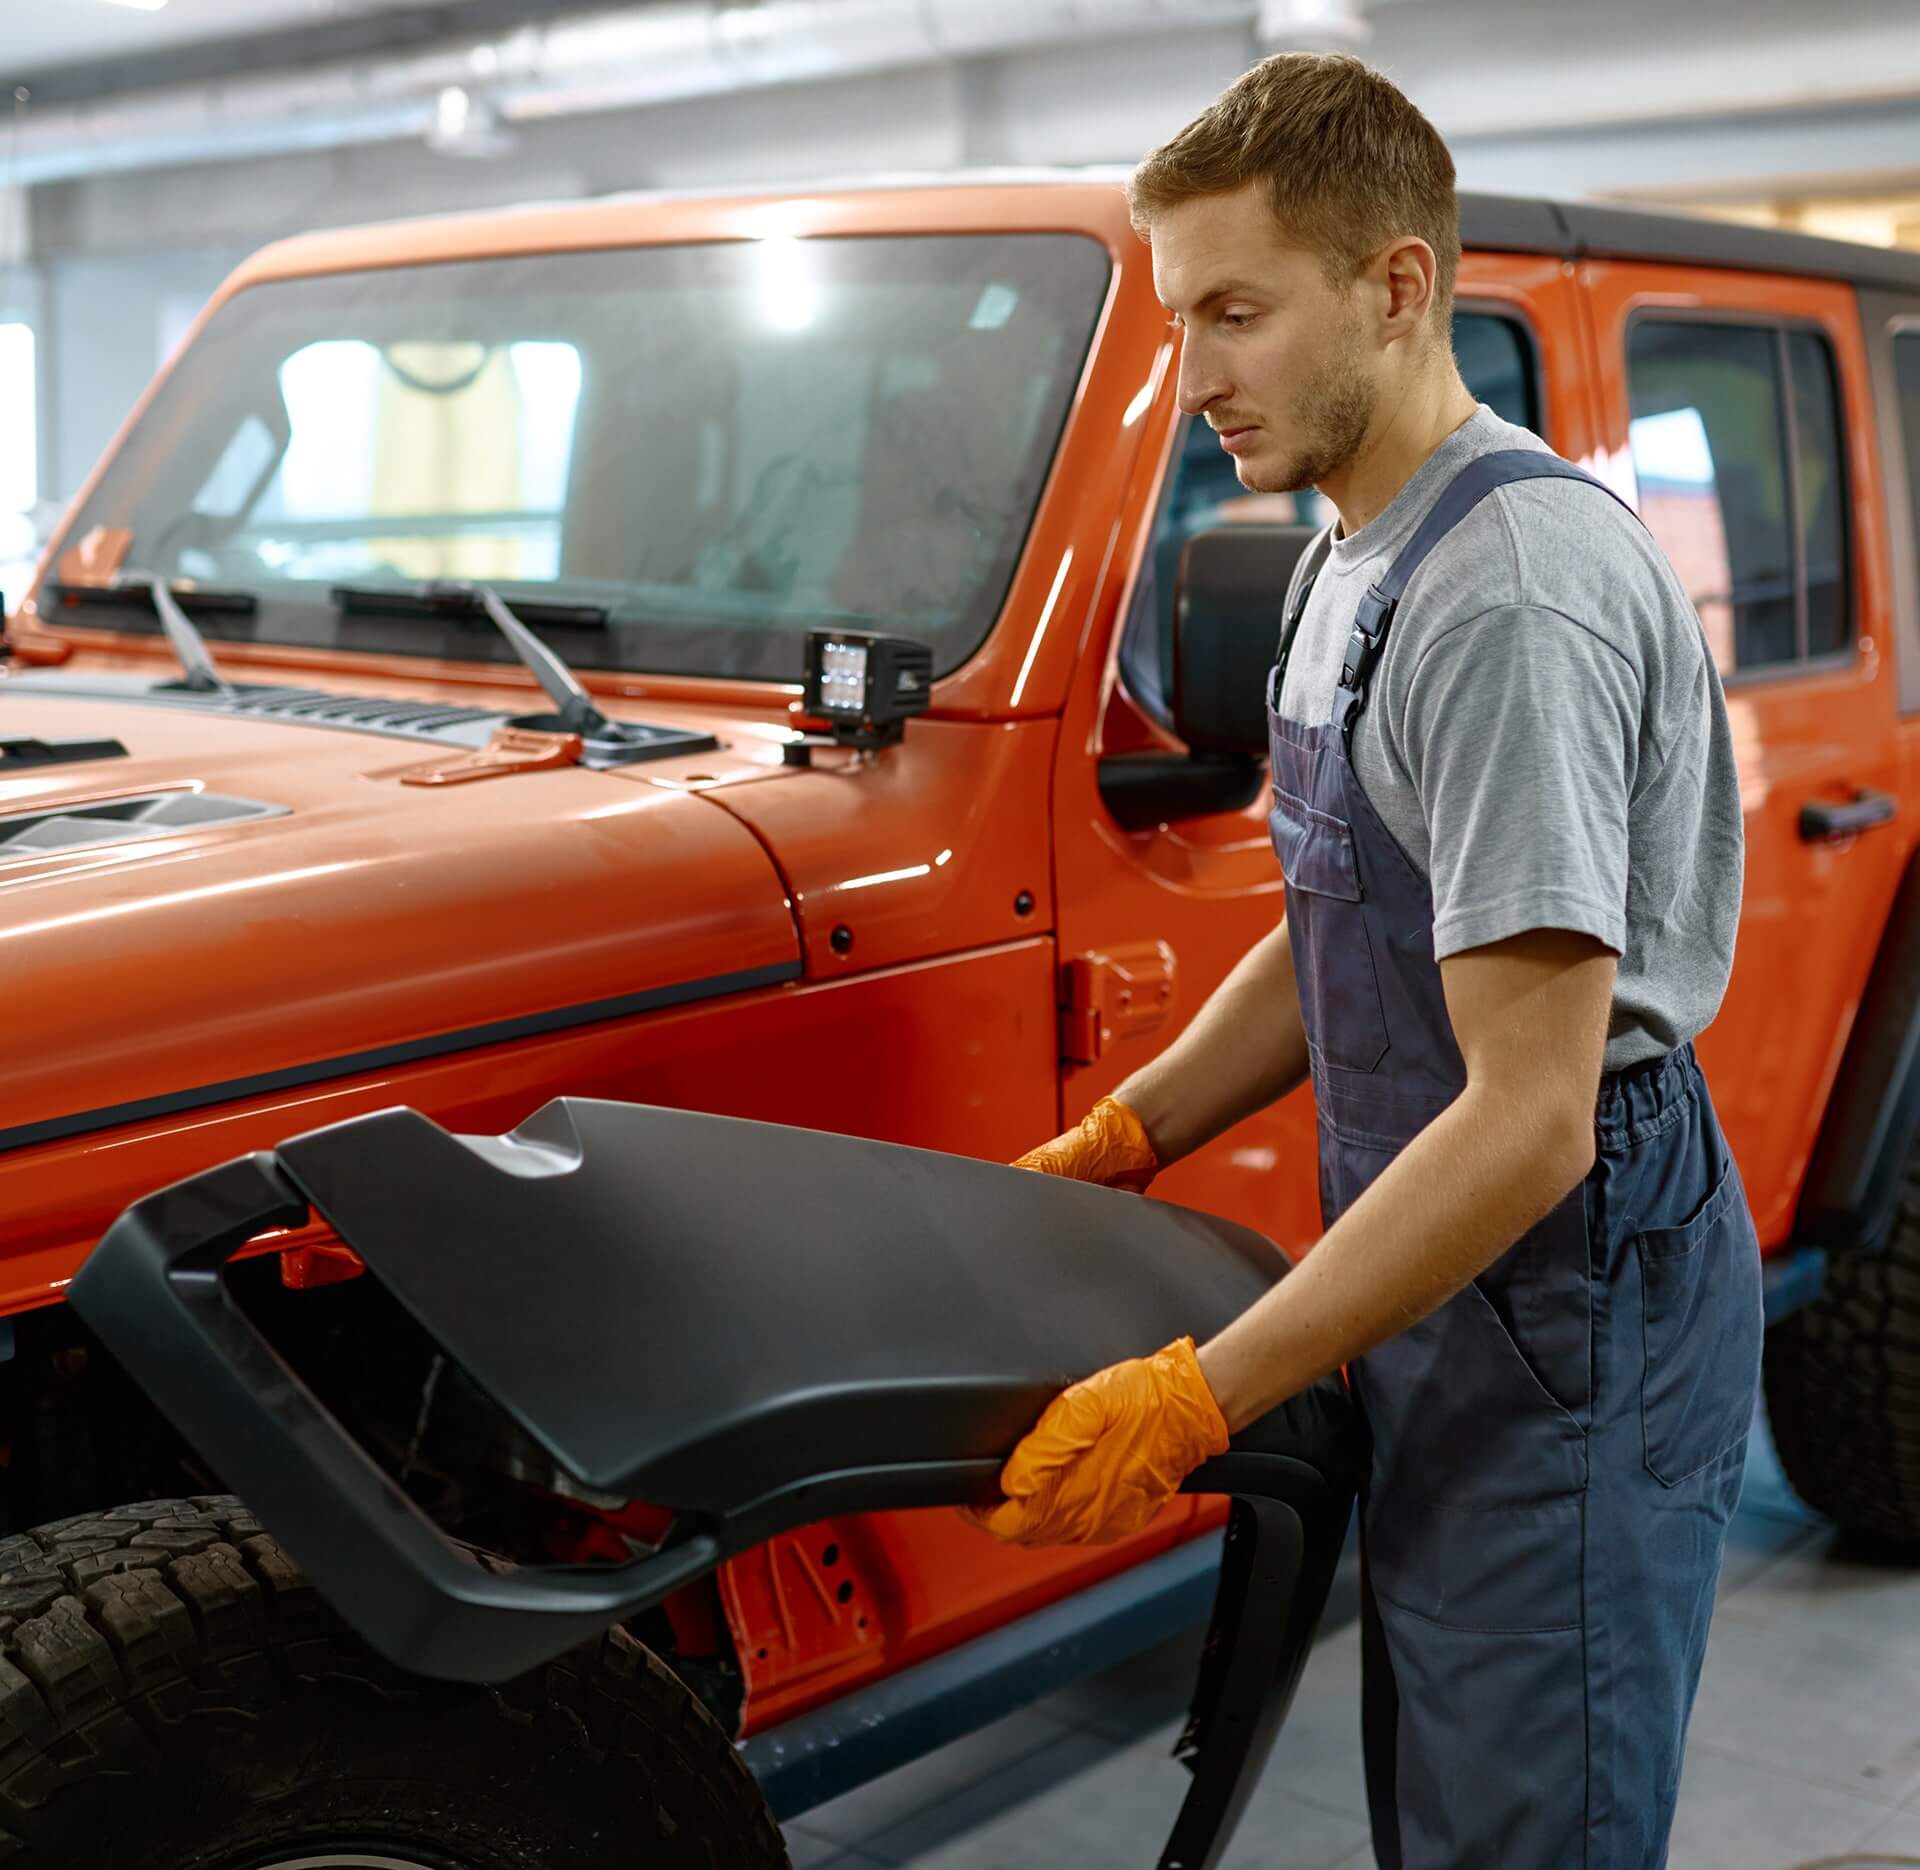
x=1859 y=1160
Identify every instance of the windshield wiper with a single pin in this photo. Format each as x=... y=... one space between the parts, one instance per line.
x=142 y=590
x=458 y=600
x=574 y=709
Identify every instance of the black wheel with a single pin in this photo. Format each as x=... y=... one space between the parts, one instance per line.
x=174 y=1695
x=1843 y=1390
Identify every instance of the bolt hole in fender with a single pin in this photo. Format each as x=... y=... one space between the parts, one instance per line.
x=750 y=1325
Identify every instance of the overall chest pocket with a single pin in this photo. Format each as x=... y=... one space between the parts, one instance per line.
x=1332 y=950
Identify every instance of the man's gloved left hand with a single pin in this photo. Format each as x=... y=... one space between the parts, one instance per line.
x=1108 y=1453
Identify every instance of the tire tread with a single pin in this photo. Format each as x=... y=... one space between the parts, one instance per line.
x=1843 y=1388
x=134 y=1641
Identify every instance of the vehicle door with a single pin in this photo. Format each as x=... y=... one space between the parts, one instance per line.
x=1738 y=408
x=1152 y=919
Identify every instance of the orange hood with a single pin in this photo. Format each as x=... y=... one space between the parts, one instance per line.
x=356 y=923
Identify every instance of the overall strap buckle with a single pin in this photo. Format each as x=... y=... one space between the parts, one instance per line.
x=1370 y=624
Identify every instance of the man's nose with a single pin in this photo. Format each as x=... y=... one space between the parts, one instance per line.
x=1200 y=385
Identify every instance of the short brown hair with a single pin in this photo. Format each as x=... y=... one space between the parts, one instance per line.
x=1347 y=162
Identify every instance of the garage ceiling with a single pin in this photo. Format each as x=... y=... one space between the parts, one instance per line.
x=44 y=33
x=1731 y=96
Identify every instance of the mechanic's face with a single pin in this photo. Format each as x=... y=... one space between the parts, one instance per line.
x=1273 y=356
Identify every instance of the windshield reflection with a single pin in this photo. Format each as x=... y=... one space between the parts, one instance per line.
x=714 y=448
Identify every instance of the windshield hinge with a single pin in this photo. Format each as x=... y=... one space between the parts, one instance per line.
x=1116 y=993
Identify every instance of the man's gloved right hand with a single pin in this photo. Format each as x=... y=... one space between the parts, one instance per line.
x=1109 y=1145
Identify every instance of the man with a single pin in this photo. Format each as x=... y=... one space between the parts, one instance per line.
x=1506 y=806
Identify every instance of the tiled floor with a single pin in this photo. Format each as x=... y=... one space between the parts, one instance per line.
x=1805 y=1746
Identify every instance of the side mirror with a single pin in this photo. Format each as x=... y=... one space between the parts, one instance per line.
x=1228 y=600
x=1227 y=604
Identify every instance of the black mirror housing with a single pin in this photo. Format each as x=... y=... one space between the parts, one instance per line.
x=1227 y=615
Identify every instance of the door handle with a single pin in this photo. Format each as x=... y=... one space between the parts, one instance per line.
x=1823 y=820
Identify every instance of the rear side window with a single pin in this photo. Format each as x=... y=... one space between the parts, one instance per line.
x=1203 y=491
x=1496 y=364
x=1906 y=376
x=1738 y=452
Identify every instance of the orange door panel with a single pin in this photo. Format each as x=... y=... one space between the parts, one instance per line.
x=1209 y=887
x=1807 y=732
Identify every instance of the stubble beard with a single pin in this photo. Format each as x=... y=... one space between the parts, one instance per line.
x=1332 y=412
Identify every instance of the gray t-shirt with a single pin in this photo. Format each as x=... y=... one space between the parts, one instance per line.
x=1545 y=735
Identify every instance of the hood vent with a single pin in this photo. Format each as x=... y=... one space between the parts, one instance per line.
x=23 y=752
x=120 y=821
x=444 y=723
x=335 y=710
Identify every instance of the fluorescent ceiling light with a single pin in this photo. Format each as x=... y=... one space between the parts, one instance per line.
x=140 y=6
x=452 y=112
x=465 y=125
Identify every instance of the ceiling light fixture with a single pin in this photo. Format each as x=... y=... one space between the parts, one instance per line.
x=1311 y=25
x=452 y=112
x=466 y=125
x=745 y=29
x=140 y=6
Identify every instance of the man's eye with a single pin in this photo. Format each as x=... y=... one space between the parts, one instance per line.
x=1236 y=321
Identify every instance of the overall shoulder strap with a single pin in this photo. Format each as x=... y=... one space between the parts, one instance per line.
x=1308 y=569
x=1480 y=477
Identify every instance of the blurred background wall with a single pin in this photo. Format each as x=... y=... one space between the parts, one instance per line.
x=145 y=148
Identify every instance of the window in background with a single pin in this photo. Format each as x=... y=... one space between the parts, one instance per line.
x=1737 y=449
x=19 y=458
x=1203 y=490
x=1822 y=503
x=1906 y=374
x=478 y=437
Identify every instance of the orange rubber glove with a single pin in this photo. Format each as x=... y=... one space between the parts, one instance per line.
x=1108 y=1453
x=1109 y=1145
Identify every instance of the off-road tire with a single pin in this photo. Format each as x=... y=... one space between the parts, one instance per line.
x=1843 y=1389
x=174 y=1695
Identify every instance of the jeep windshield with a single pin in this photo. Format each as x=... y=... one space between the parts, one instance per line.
x=707 y=450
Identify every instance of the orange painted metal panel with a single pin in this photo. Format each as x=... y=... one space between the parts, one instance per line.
x=370 y=914
x=924 y=849
x=923 y=1581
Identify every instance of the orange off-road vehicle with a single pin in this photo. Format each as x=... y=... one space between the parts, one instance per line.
x=567 y=769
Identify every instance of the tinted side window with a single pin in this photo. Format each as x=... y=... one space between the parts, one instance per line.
x=1906 y=375
x=1203 y=491
x=1496 y=364
x=1822 y=506
x=1736 y=443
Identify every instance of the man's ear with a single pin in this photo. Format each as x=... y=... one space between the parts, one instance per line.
x=1406 y=271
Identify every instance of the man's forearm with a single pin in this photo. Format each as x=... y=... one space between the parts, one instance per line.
x=1244 y=1049
x=1462 y=1192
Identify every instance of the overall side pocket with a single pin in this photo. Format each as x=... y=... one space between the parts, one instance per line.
x=1700 y=1298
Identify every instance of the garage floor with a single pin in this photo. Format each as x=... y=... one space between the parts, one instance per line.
x=1805 y=1746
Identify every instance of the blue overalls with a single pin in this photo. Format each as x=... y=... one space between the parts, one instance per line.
x=1558 y=1449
